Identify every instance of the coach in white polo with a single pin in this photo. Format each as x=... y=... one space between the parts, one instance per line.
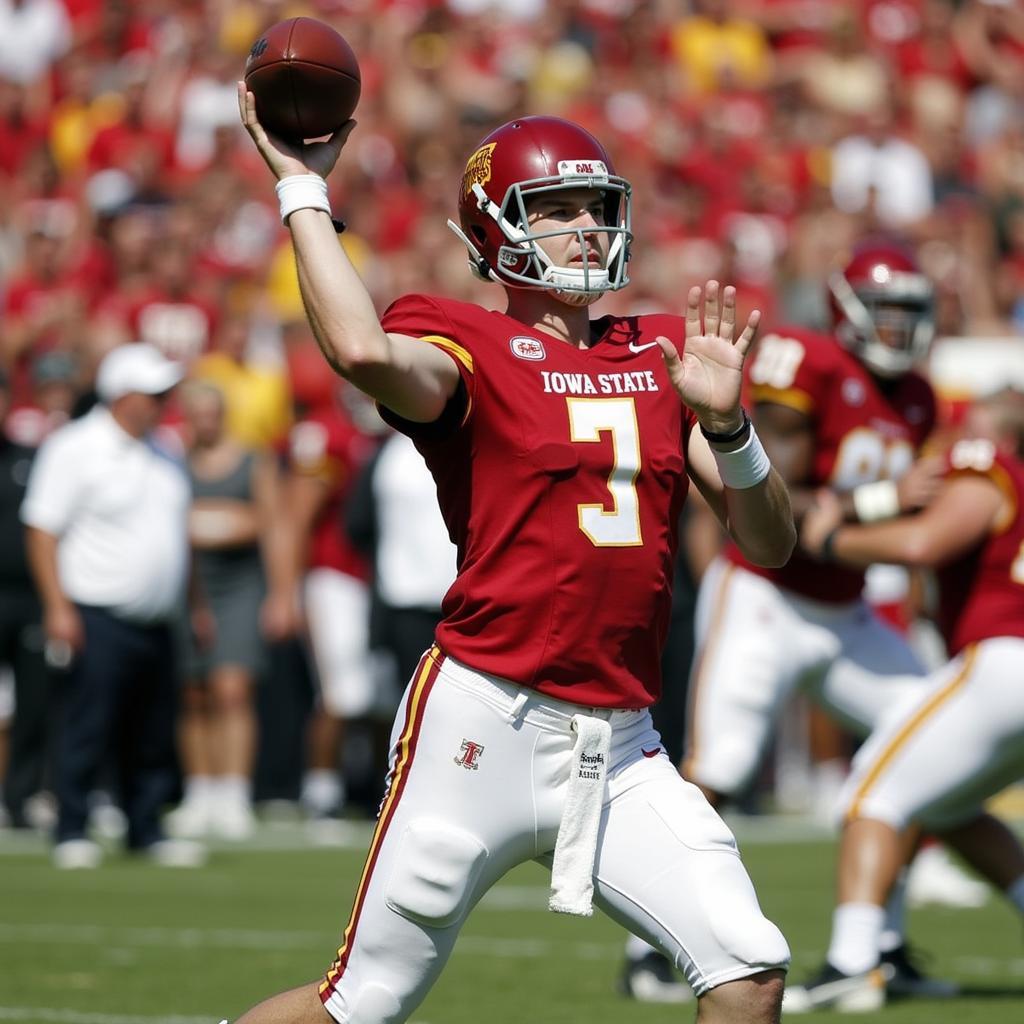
x=106 y=521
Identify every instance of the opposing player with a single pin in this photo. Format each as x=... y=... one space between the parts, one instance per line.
x=962 y=740
x=846 y=412
x=562 y=448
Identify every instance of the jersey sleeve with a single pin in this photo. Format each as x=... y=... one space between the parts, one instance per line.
x=980 y=457
x=423 y=317
x=788 y=368
x=54 y=485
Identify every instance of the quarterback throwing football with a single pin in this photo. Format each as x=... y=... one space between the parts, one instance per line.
x=562 y=448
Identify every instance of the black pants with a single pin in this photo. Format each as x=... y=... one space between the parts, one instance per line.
x=21 y=647
x=119 y=701
x=405 y=632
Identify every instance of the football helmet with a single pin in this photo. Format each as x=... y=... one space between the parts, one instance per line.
x=525 y=158
x=883 y=308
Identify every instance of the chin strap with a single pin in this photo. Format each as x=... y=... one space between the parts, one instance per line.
x=480 y=267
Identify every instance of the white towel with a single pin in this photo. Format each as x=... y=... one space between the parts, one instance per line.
x=572 y=871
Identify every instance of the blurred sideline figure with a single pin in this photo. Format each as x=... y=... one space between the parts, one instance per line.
x=961 y=740
x=393 y=517
x=326 y=451
x=847 y=412
x=235 y=537
x=107 y=518
x=21 y=637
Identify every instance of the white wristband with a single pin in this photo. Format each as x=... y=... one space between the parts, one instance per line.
x=744 y=467
x=876 y=501
x=301 y=192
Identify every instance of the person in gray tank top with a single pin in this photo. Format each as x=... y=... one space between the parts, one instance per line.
x=235 y=500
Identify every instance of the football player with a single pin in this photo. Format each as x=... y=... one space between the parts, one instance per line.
x=562 y=447
x=962 y=739
x=845 y=411
x=327 y=448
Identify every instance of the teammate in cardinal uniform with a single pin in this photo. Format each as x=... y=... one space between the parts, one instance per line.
x=325 y=453
x=962 y=739
x=846 y=412
x=562 y=449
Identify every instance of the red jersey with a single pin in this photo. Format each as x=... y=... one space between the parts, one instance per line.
x=560 y=473
x=981 y=594
x=862 y=434
x=326 y=445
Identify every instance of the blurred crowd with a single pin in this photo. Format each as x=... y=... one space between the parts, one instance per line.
x=763 y=138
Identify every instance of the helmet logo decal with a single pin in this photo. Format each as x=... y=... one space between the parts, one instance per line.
x=527 y=348
x=478 y=169
x=590 y=169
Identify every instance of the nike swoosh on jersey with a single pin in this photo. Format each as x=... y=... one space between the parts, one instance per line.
x=634 y=347
x=650 y=753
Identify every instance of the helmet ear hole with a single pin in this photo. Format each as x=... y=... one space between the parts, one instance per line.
x=479 y=236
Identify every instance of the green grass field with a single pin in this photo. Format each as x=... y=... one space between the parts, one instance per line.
x=131 y=943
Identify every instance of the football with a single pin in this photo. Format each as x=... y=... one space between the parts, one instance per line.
x=305 y=78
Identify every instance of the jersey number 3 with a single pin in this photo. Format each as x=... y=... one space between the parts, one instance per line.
x=589 y=418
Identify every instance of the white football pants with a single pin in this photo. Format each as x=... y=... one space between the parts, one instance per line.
x=756 y=645
x=477 y=781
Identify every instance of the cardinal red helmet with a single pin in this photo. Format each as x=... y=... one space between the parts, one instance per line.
x=520 y=160
x=883 y=308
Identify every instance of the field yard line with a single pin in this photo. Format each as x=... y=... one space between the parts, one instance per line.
x=238 y=938
x=469 y=944
x=114 y=935
x=59 y=1016
x=759 y=829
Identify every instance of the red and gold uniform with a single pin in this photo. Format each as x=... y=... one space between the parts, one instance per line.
x=764 y=633
x=561 y=475
x=861 y=433
x=982 y=594
x=327 y=447
x=962 y=740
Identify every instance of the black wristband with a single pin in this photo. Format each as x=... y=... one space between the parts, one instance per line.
x=827 y=553
x=716 y=438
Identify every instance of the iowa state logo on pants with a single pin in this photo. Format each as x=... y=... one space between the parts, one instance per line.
x=470 y=755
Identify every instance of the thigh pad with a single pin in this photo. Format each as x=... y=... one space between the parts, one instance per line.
x=435 y=870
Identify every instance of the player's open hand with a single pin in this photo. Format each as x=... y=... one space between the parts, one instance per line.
x=709 y=374
x=286 y=158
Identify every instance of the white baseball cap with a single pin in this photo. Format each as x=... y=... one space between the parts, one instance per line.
x=136 y=367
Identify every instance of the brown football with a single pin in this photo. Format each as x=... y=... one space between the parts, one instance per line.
x=305 y=78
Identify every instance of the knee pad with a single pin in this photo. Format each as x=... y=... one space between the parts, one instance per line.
x=435 y=870
x=753 y=940
x=374 y=1004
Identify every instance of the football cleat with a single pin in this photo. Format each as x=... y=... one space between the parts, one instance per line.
x=830 y=989
x=909 y=980
x=652 y=979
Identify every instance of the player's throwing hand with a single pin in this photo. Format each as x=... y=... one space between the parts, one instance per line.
x=285 y=158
